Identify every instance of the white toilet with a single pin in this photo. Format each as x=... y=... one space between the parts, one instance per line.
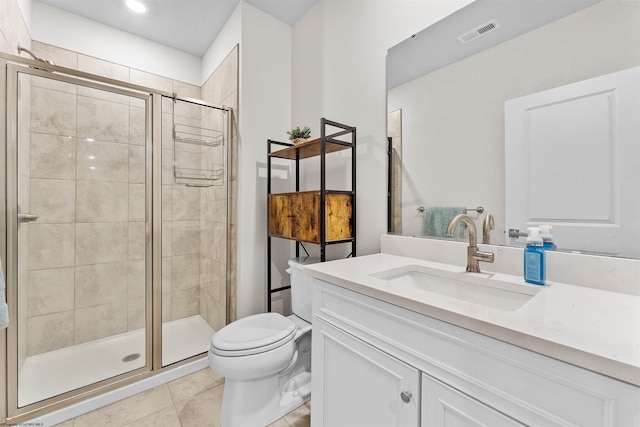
x=266 y=359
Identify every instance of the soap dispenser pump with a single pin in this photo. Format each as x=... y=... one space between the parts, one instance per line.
x=534 y=265
x=547 y=238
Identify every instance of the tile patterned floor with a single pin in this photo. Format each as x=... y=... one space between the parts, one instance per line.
x=191 y=401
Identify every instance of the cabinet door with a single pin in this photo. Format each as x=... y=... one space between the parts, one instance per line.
x=280 y=215
x=305 y=216
x=355 y=384
x=443 y=406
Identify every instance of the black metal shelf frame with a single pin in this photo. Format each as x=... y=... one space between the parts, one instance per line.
x=325 y=139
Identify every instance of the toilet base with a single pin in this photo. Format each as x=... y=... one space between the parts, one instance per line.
x=297 y=393
x=261 y=402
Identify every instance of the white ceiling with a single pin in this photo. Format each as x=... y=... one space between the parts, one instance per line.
x=186 y=25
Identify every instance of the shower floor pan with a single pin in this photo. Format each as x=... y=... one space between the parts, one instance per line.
x=50 y=374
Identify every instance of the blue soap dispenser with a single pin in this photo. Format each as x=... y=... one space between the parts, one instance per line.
x=547 y=238
x=534 y=265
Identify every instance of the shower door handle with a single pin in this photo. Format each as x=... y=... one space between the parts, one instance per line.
x=27 y=217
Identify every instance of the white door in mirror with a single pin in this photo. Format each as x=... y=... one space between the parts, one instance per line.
x=544 y=132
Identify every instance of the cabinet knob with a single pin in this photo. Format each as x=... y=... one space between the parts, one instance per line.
x=405 y=396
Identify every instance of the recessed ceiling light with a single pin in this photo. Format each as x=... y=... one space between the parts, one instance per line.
x=136 y=5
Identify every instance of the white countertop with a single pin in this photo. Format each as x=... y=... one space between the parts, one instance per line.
x=592 y=328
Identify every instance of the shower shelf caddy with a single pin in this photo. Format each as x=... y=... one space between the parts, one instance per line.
x=185 y=140
x=323 y=217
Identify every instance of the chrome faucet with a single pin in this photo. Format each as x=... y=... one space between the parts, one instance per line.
x=487 y=226
x=474 y=256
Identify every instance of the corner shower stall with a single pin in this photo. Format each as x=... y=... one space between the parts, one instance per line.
x=116 y=230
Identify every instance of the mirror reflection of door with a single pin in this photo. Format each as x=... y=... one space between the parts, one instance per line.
x=578 y=140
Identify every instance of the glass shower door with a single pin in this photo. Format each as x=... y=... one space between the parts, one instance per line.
x=78 y=227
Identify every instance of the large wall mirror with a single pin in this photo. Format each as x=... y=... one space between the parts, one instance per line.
x=529 y=109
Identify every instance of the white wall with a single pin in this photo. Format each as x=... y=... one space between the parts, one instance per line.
x=265 y=112
x=13 y=27
x=228 y=37
x=25 y=10
x=69 y=31
x=339 y=51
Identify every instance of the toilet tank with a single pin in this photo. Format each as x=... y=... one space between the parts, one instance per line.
x=301 y=287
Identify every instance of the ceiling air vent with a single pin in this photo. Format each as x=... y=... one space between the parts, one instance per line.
x=479 y=31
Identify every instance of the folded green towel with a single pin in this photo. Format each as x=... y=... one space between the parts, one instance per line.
x=437 y=219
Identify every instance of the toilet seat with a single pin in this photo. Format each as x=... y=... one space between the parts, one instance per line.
x=253 y=334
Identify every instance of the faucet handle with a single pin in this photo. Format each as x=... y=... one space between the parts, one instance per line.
x=484 y=256
x=487 y=226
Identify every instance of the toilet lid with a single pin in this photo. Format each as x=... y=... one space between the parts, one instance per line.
x=253 y=334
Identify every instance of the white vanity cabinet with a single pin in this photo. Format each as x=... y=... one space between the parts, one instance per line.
x=370 y=356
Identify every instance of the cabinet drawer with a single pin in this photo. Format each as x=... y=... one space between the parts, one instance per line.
x=296 y=216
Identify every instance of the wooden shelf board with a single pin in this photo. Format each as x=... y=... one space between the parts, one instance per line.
x=307 y=149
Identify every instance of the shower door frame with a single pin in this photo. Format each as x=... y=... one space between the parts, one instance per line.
x=11 y=66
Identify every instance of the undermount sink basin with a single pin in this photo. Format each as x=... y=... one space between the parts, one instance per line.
x=477 y=288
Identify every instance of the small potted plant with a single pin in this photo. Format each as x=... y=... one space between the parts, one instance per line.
x=298 y=135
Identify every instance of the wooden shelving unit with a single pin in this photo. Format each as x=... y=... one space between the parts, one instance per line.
x=323 y=217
